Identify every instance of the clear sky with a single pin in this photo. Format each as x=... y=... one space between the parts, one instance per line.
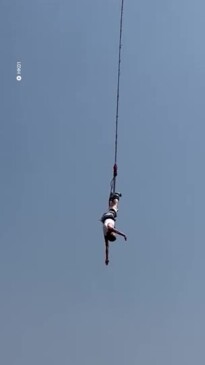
x=59 y=303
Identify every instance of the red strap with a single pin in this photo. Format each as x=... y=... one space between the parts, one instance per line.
x=115 y=170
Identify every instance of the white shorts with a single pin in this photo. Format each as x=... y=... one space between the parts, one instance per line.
x=109 y=221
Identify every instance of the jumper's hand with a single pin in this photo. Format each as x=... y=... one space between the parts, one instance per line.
x=125 y=237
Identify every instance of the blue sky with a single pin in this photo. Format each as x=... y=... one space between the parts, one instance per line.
x=59 y=303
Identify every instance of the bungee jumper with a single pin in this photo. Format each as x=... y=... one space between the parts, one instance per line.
x=109 y=218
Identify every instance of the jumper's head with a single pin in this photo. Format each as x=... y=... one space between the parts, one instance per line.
x=111 y=237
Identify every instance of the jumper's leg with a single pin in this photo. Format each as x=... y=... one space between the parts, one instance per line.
x=114 y=200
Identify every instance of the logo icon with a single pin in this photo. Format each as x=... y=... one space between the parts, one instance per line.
x=18 y=78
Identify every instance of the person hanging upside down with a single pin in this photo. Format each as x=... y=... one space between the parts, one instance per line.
x=108 y=219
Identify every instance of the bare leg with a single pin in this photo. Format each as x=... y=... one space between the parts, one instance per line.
x=114 y=204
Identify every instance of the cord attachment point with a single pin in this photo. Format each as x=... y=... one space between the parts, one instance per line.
x=115 y=170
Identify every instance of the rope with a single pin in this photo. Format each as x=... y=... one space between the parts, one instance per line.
x=113 y=182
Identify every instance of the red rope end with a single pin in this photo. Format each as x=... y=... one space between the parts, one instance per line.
x=115 y=170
